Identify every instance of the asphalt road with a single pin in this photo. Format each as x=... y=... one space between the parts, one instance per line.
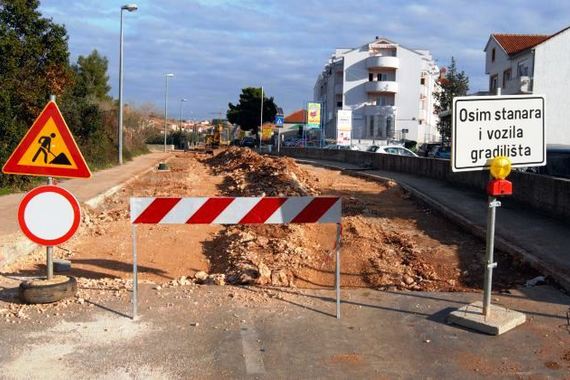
x=229 y=332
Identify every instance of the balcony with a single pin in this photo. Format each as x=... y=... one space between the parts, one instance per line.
x=382 y=62
x=370 y=110
x=382 y=86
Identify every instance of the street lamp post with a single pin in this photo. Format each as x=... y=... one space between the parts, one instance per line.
x=130 y=8
x=182 y=101
x=166 y=76
x=261 y=120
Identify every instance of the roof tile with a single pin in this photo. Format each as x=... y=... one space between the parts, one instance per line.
x=297 y=117
x=515 y=43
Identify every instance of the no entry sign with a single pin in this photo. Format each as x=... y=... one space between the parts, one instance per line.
x=49 y=215
x=485 y=127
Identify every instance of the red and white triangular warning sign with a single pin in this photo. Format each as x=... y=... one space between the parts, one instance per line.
x=48 y=149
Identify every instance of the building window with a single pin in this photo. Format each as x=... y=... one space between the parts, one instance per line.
x=523 y=69
x=493 y=55
x=493 y=83
x=339 y=104
x=371 y=126
x=381 y=77
x=389 y=128
x=423 y=81
x=506 y=77
x=370 y=77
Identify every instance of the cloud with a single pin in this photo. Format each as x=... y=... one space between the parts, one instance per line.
x=216 y=47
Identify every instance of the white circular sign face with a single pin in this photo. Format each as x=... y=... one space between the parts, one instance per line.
x=49 y=215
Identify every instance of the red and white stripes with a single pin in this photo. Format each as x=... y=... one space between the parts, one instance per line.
x=232 y=210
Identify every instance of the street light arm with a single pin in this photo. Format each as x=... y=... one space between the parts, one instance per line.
x=129 y=7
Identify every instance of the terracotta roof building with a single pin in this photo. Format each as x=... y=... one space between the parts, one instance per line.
x=297 y=117
x=515 y=43
x=534 y=63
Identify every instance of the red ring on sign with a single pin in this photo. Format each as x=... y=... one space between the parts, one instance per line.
x=49 y=189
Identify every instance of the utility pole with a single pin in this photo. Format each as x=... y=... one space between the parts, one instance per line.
x=261 y=120
x=166 y=76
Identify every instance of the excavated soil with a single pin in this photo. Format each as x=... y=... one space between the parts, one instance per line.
x=389 y=241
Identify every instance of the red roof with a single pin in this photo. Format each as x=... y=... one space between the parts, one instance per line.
x=297 y=117
x=515 y=43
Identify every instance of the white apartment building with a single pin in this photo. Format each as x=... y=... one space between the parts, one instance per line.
x=388 y=87
x=539 y=64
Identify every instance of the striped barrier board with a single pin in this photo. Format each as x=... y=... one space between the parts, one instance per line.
x=235 y=210
x=228 y=210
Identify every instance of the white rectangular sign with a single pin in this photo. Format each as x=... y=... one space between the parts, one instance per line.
x=344 y=127
x=485 y=127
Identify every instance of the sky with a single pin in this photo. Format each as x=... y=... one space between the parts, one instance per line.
x=217 y=47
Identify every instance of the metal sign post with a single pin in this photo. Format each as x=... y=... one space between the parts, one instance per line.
x=49 y=249
x=495 y=133
x=489 y=253
x=337 y=271
x=135 y=272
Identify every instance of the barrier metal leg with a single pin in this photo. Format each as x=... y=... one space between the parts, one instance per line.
x=337 y=276
x=135 y=272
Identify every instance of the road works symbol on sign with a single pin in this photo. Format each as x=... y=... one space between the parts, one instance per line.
x=49 y=215
x=485 y=127
x=48 y=149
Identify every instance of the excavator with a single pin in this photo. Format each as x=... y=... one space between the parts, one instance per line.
x=214 y=139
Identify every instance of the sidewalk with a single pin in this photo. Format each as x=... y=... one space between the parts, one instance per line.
x=89 y=191
x=542 y=241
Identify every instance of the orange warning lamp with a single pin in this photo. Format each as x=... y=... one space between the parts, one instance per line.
x=500 y=169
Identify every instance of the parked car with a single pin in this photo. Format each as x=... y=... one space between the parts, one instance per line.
x=426 y=148
x=290 y=142
x=557 y=162
x=341 y=147
x=443 y=152
x=392 y=149
x=249 y=142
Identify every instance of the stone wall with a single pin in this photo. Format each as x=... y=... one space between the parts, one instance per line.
x=548 y=195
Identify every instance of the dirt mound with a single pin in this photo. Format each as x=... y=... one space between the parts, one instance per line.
x=261 y=254
x=388 y=240
x=251 y=174
x=284 y=255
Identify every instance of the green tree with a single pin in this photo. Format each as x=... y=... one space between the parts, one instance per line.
x=453 y=84
x=247 y=112
x=89 y=111
x=33 y=64
x=91 y=77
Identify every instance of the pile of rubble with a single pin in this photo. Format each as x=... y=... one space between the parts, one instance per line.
x=256 y=254
x=260 y=255
x=15 y=312
x=250 y=174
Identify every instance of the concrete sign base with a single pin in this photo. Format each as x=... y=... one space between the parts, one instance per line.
x=500 y=321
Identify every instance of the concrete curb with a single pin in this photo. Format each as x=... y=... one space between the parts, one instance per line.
x=480 y=232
